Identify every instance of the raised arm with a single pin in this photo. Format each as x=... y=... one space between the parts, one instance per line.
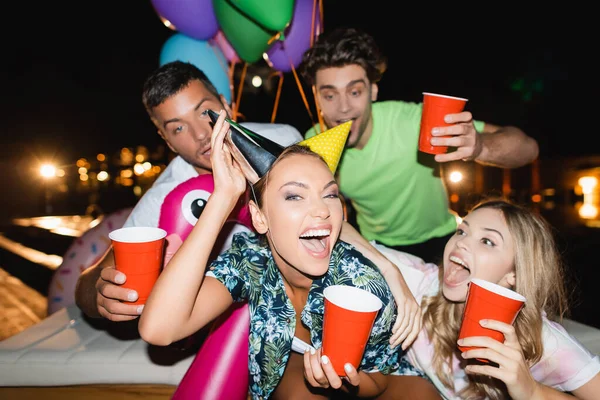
x=498 y=146
x=506 y=147
x=183 y=300
x=589 y=390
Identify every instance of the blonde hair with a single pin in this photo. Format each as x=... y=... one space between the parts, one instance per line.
x=539 y=277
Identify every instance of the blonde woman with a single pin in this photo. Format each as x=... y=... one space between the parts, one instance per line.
x=514 y=247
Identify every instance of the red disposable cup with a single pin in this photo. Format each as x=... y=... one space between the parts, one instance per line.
x=139 y=255
x=487 y=300
x=349 y=316
x=435 y=108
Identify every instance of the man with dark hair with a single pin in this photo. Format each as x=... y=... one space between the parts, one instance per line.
x=399 y=197
x=176 y=97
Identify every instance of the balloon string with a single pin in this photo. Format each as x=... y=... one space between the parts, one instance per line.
x=312 y=23
x=318 y=108
x=321 y=15
x=314 y=33
x=230 y=74
x=229 y=70
x=277 y=96
x=316 y=27
x=219 y=54
x=239 y=94
x=299 y=84
x=274 y=38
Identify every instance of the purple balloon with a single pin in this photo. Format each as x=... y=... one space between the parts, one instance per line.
x=283 y=54
x=194 y=18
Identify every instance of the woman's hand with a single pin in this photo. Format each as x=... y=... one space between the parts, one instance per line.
x=227 y=174
x=512 y=367
x=319 y=372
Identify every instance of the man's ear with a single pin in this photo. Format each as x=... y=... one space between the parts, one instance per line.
x=374 y=91
x=258 y=219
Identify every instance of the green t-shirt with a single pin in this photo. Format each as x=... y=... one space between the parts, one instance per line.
x=399 y=196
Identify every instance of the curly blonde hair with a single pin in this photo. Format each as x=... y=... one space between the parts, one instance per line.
x=539 y=277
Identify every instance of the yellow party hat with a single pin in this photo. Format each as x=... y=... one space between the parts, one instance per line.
x=330 y=144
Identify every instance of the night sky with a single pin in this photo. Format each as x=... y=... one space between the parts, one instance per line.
x=72 y=75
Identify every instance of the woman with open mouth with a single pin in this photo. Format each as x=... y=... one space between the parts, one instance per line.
x=281 y=271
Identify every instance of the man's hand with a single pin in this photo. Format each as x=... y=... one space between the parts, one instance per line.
x=112 y=298
x=496 y=146
x=461 y=135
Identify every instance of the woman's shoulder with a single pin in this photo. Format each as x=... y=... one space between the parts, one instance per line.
x=557 y=339
x=247 y=249
x=343 y=251
x=247 y=239
x=565 y=363
x=348 y=266
x=421 y=277
x=245 y=244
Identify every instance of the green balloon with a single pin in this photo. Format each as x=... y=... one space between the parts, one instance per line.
x=248 y=38
x=273 y=15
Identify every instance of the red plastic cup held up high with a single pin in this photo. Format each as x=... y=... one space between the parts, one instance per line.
x=435 y=108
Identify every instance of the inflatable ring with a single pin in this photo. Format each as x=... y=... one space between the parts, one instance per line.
x=84 y=252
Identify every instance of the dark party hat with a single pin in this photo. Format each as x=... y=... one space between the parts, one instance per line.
x=259 y=152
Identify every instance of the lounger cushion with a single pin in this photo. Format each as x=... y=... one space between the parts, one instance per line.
x=68 y=348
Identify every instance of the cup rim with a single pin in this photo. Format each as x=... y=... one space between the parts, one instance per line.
x=444 y=96
x=501 y=290
x=354 y=298
x=141 y=234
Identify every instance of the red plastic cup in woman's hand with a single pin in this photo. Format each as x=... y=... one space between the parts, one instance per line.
x=349 y=316
x=487 y=300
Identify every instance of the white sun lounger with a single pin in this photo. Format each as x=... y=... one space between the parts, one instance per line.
x=68 y=349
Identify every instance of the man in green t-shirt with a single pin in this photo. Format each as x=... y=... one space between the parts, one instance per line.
x=397 y=192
